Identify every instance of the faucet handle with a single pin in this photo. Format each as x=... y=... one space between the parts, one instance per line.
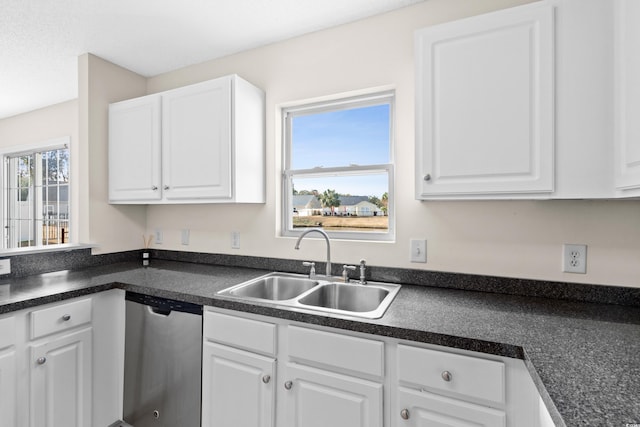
x=345 y=272
x=312 y=271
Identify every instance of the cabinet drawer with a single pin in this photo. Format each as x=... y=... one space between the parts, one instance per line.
x=467 y=376
x=60 y=317
x=336 y=350
x=7 y=332
x=239 y=332
x=426 y=409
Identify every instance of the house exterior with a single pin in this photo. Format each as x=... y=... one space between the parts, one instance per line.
x=366 y=208
x=306 y=205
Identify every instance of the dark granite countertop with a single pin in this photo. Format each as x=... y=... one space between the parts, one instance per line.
x=584 y=357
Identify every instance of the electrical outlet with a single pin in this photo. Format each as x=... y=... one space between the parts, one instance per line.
x=418 y=250
x=574 y=258
x=235 y=240
x=158 y=236
x=184 y=238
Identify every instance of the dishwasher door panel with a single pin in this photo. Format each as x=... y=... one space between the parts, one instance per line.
x=163 y=373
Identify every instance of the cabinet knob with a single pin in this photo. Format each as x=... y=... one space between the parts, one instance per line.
x=288 y=385
x=446 y=375
x=404 y=414
x=166 y=187
x=66 y=317
x=266 y=379
x=41 y=360
x=427 y=177
x=154 y=187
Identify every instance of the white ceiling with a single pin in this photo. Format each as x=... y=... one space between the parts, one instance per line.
x=40 y=40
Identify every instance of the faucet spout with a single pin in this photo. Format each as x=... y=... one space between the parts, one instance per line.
x=326 y=238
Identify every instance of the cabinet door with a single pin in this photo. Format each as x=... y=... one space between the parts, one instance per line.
x=8 y=387
x=421 y=409
x=196 y=141
x=317 y=398
x=237 y=388
x=134 y=150
x=627 y=94
x=60 y=387
x=485 y=105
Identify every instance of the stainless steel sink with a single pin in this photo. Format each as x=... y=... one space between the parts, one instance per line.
x=324 y=295
x=346 y=297
x=273 y=287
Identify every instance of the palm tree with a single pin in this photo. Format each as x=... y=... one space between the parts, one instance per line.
x=330 y=199
x=385 y=202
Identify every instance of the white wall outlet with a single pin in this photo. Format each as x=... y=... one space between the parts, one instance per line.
x=418 y=250
x=158 y=236
x=235 y=240
x=184 y=237
x=5 y=266
x=574 y=258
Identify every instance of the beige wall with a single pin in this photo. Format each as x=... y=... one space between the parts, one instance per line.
x=504 y=238
x=56 y=121
x=112 y=227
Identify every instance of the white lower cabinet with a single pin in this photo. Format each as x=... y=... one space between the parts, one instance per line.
x=420 y=409
x=317 y=397
x=61 y=364
x=60 y=381
x=329 y=377
x=7 y=371
x=238 y=371
x=237 y=387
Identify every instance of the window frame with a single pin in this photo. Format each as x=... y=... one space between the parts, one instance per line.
x=26 y=149
x=367 y=99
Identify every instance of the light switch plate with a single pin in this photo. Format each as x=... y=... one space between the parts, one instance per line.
x=5 y=266
x=418 y=250
x=235 y=240
x=184 y=237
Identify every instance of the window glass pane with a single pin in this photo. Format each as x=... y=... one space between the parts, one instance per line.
x=357 y=136
x=342 y=203
x=37 y=204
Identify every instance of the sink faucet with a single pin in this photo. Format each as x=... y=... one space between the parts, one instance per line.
x=326 y=237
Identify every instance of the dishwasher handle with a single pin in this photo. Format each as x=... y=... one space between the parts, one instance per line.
x=159 y=311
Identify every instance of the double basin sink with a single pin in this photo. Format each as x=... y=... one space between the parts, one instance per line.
x=319 y=294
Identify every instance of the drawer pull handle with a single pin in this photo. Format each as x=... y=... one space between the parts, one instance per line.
x=266 y=379
x=404 y=414
x=446 y=375
x=66 y=317
x=288 y=385
x=41 y=360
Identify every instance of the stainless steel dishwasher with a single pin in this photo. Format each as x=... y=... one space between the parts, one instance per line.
x=163 y=362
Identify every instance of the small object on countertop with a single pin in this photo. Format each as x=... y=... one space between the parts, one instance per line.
x=145 y=253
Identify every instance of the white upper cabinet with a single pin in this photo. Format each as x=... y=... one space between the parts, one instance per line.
x=202 y=143
x=534 y=102
x=134 y=149
x=627 y=97
x=485 y=105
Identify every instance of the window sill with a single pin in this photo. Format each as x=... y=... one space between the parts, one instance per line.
x=42 y=249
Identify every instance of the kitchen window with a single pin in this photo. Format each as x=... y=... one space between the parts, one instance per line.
x=36 y=202
x=338 y=167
